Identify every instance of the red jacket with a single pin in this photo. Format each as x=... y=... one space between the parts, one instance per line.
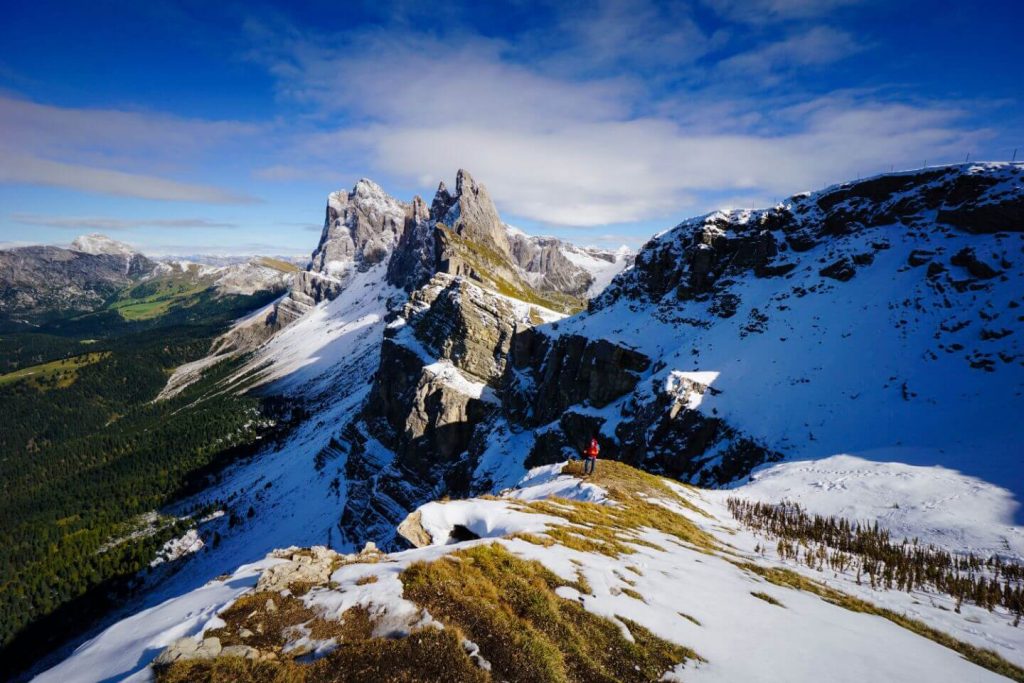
x=593 y=449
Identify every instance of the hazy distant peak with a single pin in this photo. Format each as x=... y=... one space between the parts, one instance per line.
x=96 y=243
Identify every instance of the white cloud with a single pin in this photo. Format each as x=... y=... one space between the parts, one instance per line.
x=103 y=223
x=611 y=34
x=576 y=152
x=110 y=151
x=35 y=171
x=816 y=47
x=763 y=11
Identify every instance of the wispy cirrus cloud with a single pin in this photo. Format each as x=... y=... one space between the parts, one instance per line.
x=109 y=224
x=818 y=46
x=110 y=151
x=765 y=11
x=36 y=171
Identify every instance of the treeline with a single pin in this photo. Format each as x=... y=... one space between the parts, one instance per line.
x=877 y=559
x=79 y=465
x=21 y=349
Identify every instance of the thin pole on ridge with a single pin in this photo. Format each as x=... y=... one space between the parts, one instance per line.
x=1014 y=155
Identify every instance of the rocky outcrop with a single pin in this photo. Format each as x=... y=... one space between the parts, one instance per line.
x=310 y=567
x=442 y=356
x=190 y=648
x=470 y=213
x=361 y=228
x=415 y=257
x=549 y=374
x=411 y=529
x=549 y=268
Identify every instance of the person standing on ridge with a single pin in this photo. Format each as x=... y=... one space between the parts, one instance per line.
x=590 y=456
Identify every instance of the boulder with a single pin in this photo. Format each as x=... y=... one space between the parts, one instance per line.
x=966 y=258
x=188 y=648
x=313 y=566
x=841 y=270
x=243 y=651
x=411 y=529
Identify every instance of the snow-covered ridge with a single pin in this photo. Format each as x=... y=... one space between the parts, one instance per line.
x=96 y=243
x=880 y=319
x=702 y=598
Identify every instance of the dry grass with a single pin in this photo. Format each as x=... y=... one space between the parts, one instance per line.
x=767 y=598
x=689 y=618
x=487 y=263
x=634 y=594
x=614 y=530
x=426 y=656
x=508 y=606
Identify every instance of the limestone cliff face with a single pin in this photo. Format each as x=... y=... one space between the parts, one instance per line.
x=415 y=257
x=361 y=229
x=461 y=233
x=442 y=357
x=544 y=259
x=470 y=213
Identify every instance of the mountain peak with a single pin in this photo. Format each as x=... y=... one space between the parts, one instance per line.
x=464 y=181
x=99 y=244
x=360 y=227
x=471 y=214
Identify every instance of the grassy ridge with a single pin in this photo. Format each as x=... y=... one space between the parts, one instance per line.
x=57 y=374
x=505 y=605
x=490 y=267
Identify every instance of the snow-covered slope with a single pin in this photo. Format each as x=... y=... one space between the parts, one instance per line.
x=692 y=577
x=935 y=504
x=881 y=319
x=602 y=264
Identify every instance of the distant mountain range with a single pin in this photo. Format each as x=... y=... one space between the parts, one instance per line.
x=95 y=273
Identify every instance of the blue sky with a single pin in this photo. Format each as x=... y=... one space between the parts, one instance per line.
x=199 y=127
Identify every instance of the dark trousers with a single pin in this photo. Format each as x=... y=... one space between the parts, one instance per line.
x=588 y=465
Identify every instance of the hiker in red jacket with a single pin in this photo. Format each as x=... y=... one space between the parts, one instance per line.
x=590 y=457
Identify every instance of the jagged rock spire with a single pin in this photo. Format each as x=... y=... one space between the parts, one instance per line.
x=415 y=257
x=471 y=214
x=443 y=201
